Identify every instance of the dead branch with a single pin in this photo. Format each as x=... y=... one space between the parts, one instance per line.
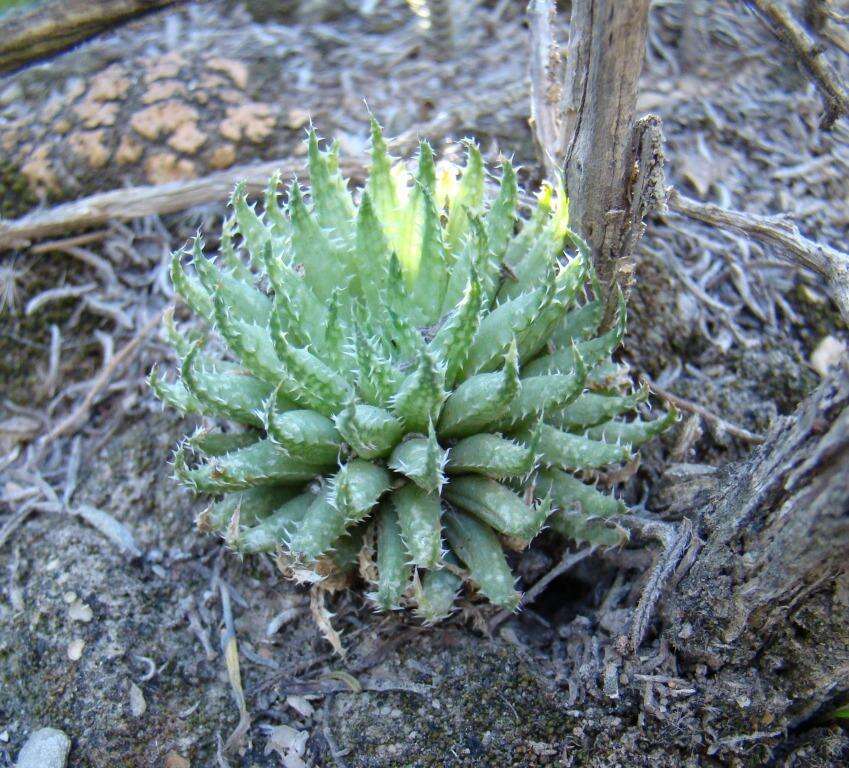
x=809 y=53
x=661 y=574
x=691 y=407
x=603 y=63
x=645 y=194
x=545 y=85
x=70 y=242
x=53 y=26
x=826 y=261
x=135 y=202
x=773 y=565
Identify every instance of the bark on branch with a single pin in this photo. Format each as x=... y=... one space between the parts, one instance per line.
x=584 y=124
x=134 y=202
x=766 y=600
x=546 y=85
x=53 y=26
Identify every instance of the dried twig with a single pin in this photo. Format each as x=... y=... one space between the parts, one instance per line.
x=73 y=421
x=336 y=753
x=135 y=202
x=15 y=522
x=832 y=264
x=114 y=530
x=230 y=648
x=71 y=242
x=567 y=562
x=57 y=294
x=809 y=53
x=691 y=407
x=607 y=44
x=646 y=195
x=674 y=550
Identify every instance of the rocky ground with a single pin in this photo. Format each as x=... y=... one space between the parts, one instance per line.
x=115 y=615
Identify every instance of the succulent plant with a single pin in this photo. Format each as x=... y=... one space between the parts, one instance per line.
x=419 y=373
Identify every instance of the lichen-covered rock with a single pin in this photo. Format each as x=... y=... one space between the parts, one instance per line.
x=413 y=365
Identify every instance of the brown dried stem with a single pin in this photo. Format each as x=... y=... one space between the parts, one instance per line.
x=546 y=85
x=135 y=202
x=832 y=264
x=809 y=54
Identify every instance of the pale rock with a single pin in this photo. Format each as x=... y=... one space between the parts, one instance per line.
x=75 y=649
x=138 y=706
x=827 y=354
x=45 y=748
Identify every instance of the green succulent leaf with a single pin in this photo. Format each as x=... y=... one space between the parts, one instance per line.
x=190 y=289
x=245 y=508
x=281 y=228
x=479 y=548
x=333 y=205
x=633 y=433
x=309 y=381
x=496 y=505
x=173 y=394
x=303 y=433
x=216 y=443
x=272 y=530
x=298 y=309
x=562 y=449
x=570 y=494
x=250 y=225
x=242 y=300
x=468 y=200
x=357 y=487
x=491 y=455
x=381 y=186
x=322 y=525
x=419 y=514
x=592 y=409
x=452 y=341
x=372 y=432
x=421 y=395
x=541 y=395
x=422 y=460
x=481 y=400
x=313 y=250
x=435 y=594
x=226 y=389
x=393 y=571
x=181 y=344
x=501 y=218
x=259 y=464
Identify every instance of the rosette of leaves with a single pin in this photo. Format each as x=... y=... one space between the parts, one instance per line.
x=419 y=375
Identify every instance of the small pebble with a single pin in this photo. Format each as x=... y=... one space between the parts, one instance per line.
x=138 y=706
x=174 y=760
x=45 y=748
x=79 y=611
x=75 y=649
x=827 y=355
